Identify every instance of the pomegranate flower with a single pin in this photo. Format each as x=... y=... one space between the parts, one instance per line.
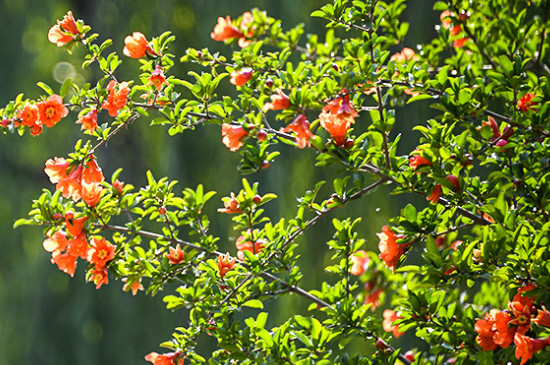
x=243 y=245
x=526 y=347
x=337 y=117
x=29 y=115
x=101 y=252
x=390 y=250
x=387 y=324
x=52 y=110
x=417 y=161
x=241 y=77
x=231 y=205
x=175 y=256
x=100 y=277
x=225 y=30
x=436 y=193
x=278 y=102
x=157 y=78
x=405 y=54
x=116 y=99
x=64 y=31
x=168 y=358
x=360 y=260
x=225 y=263
x=525 y=104
x=88 y=121
x=300 y=126
x=136 y=46
x=232 y=136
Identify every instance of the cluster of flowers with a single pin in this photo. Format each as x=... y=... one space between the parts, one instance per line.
x=67 y=247
x=47 y=112
x=455 y=30
x=500 y=328
x=226 y=30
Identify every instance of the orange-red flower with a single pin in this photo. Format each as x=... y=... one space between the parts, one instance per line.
x=157 y=78
x=101 y=252
x=74 y=225
x=66 y=262
x=231 y=205
x=91 y=194
x=118 y=185
x=134 y=287
x=175 y=256
x=372 y=295
x=88 y=121
x=232 y=136
x=456 y=29
x=337 y=117
x=390 y=250
x=136 y=46
x=387 y=324
x=52 y=110
x=56 y=243
x=100 y=277
x=225 y=30
x=300 y=126
x=78 y=246
x=405 y=54
x=525 y=104
x=494 y=127
x=278 y=102
x=454 y=181
x=70 y=179
x=29 y=115
x=526 y=347
x=417 y=161
x=246 y=19
x=241 y=77
x=36 y=130
x=360 y=261
x=116 y=99
x=504 y=333
x=168 y=358
x=225 y=263
x=64 y=31
x=248 y=246
x=92 y=173
x=486 y=331
x=543 y=318
x=435 y=194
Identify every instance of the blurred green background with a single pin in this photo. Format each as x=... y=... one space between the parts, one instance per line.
x=49 y=318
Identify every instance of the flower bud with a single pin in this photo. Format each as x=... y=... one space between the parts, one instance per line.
x=269 y=83
x=57 y=216
x=349 y=143
x=265 y=164
x=409 y=355
x=454 y=180
x=162 y=210
x=257 y=199
x=262 y=135
x=380 y=344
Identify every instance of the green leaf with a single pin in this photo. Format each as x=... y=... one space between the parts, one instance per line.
x=253 y=303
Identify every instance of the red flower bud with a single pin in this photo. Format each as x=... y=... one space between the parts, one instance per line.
x=269 y=83
x=57 y=216
x=454 y=180
x=416 y=161
x=262 y=135
x=349 y=143
x=257 y=199
x=265 y=164
x=162 y=210
x=380 y=345
x=409 y=355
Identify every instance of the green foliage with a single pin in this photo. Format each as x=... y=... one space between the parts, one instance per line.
x=481 y=162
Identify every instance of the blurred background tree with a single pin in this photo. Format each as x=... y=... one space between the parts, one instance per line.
x=49 y=318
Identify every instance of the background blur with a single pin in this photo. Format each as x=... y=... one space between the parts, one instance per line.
x=49 y=318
